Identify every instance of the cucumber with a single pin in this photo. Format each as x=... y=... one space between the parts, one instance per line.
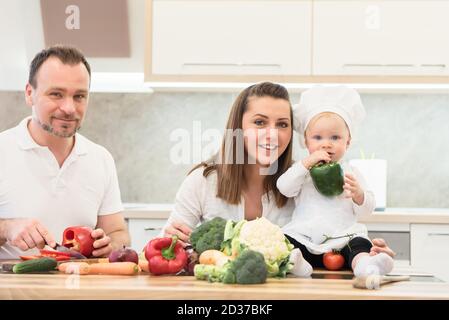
x=36 y=265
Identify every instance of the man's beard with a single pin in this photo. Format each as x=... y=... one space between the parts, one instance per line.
x=50 y=129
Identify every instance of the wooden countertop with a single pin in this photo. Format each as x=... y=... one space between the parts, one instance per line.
x=390 y=215
x=144 y=286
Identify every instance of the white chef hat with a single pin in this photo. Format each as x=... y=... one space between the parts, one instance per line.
x=341 y=100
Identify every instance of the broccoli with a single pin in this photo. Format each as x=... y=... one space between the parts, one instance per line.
x=248 y=268
x=262 y=236
x=209 y=272
x=208 y=235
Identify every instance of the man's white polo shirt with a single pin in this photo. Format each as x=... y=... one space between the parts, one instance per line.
x=32 y=185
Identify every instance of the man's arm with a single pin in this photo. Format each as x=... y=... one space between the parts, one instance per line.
x=25 y=233
x=2 y=232
x=115 y=228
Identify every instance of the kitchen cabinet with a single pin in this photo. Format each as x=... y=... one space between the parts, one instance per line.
x=228 y=40
x=430 y=249
x=297 y=41
x=143 y=230
x=395 y=37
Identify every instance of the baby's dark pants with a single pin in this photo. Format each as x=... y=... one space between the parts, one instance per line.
x=354 y=247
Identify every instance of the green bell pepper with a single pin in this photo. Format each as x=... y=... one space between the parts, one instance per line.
x=328 y=178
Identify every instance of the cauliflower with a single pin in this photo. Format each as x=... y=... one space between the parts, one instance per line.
x=267 y=238
x=262 y=236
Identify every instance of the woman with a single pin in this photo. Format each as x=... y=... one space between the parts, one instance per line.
x=240 y=181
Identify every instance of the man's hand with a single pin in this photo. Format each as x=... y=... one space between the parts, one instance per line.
x=102 y=244
x=27 y=234
x=353 y=189
x=314 y=158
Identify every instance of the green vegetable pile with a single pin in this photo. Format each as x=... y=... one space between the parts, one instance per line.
x=208 y=235
x=247 y=268
x=256 y=249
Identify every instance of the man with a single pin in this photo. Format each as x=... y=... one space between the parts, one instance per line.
x=51 y=177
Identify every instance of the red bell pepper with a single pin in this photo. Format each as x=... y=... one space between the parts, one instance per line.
x=53 y=253
x=79 y=238
x=60 y=258
x=57 y=255
x=165 y=256
x=25 y=258
x=46 y=255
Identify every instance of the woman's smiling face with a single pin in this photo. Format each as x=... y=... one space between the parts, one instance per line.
x=267 y=127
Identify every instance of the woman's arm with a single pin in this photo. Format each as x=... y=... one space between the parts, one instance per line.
x=187 y=211
x=379 y=245
x=179 y=229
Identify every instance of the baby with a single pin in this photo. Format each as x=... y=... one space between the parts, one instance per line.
x=325 y=120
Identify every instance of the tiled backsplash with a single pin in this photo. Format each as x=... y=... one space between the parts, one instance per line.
x=410 y=131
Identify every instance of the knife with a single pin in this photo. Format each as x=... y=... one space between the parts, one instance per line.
x=7 y=266
x=60 y=248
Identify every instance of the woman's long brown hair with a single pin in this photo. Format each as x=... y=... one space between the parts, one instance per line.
x=230 y=171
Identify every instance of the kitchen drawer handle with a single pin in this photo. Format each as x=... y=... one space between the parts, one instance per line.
x=201 y=64
x=346 y=65
x=399 y=65
x=152 y=228
x=442 y=65
x=377 y=65
x=433 y=234
x=394 y=65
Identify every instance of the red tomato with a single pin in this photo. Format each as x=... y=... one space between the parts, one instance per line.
x=333 y=261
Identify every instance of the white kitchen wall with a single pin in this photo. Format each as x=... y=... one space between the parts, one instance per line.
x=410 y=131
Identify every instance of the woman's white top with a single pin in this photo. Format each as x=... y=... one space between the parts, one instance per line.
x=316 y=216
x=196 y=202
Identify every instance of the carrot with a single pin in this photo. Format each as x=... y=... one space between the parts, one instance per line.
x=143 y=264
x=214 y=257
x=74 y=268
x=115 y=268
x=63 y=266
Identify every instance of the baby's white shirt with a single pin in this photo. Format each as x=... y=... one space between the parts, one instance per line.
x=316 y=216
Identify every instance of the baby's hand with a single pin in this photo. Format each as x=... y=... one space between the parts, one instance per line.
x=353 y=189
x=314 y=158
